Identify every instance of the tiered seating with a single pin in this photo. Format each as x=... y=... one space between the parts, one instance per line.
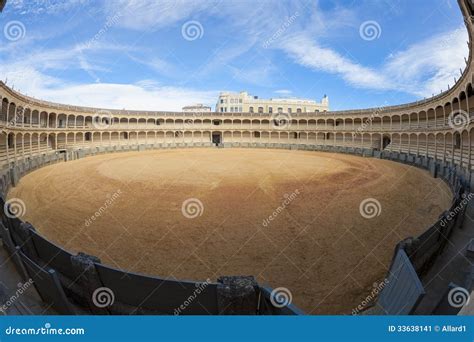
x=24 y=152
x=433 y=151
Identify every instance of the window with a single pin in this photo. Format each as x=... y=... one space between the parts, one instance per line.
x=231 y=100
x=289 y=110
x=251 y=109
x=270 y=110
x=280 y=110
x=298 y=110
x=256 y=134
x=240 y=100
x=222 y=110
x=260 y=109
x=222 y=100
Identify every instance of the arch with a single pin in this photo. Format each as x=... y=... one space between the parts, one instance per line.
x=4 y=111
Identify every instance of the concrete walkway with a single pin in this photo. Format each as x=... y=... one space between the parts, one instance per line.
x=452 y=266
x=18 y=296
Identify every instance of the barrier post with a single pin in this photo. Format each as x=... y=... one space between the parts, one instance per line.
x=89 y=280
x=237 y=295
x=14 y=175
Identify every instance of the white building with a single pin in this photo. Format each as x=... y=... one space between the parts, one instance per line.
x=197 y=108
x=244 y=102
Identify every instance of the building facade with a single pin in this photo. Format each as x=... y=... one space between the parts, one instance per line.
x=196 y=108
x=243 y=102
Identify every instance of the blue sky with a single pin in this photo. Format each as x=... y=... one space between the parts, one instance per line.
x=162 y=55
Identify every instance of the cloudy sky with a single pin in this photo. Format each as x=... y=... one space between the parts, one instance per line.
x=162 y=55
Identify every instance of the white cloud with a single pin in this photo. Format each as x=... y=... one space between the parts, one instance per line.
x=283 y=92
x=429 y=66
x=128 y=96
x=41 y=7
x=258 y=73
x=149 y=15
x=160 y=65
x=139 y=96
x=143 y=95
x=305 y=51
x=422 y=69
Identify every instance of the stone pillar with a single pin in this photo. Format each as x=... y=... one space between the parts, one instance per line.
x=89 y=280
x=237 y=295
x=14 y=175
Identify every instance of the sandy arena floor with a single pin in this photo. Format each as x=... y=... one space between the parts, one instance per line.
x=318 y=246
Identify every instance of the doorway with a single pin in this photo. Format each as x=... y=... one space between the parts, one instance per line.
x=216 y=139
x=385 y=142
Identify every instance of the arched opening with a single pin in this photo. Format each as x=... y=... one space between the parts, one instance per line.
x=216 y=138
x=457 y=140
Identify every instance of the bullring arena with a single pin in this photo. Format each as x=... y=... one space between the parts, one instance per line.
x=239 y=188
x=325 y=206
